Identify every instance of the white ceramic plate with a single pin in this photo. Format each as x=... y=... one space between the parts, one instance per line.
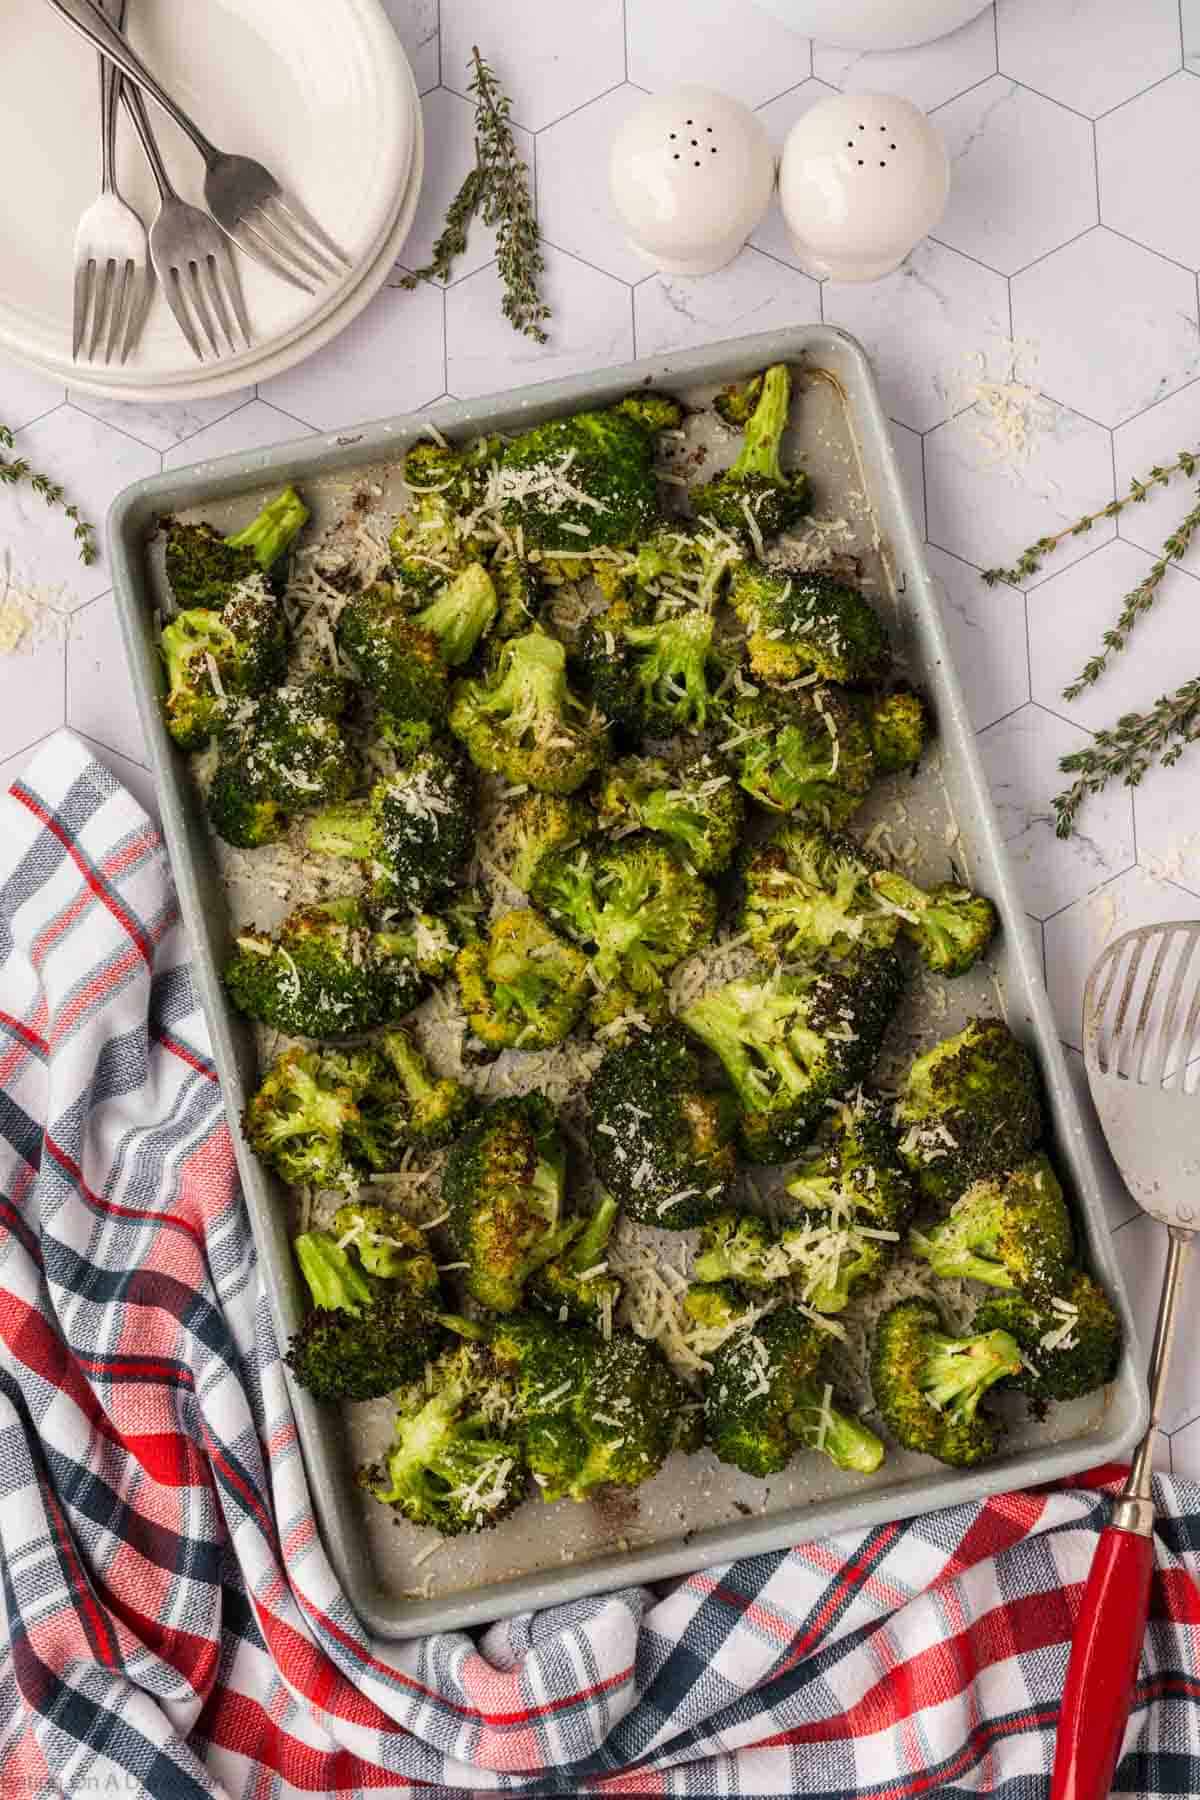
x=322 y=94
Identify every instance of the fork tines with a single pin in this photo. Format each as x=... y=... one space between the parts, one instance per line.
x=107 y=300
x=204 y=291
x=283 y=235
x=1142 y=1005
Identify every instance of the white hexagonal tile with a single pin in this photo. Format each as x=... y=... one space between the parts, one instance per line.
x=779 y=115
x=574 y=203
x=907 y=445
x=163 y=423
x=1141 y=1248
x=591 y=326
x=928 y=76
x=749 y=55
x=449 y=156
x=100 y=701
x=1023 y=174
x=1189 y=14
x=388 y=360
x=986 y=507
x=1069 y=612
x=752 y=294
x=1075 y=937
x=921 y=325
x=93 y=463
x=1168 y=830
x=253 y=427
x=1119 y=1205
x=32 y=684
x=416 y=23
x=986 y=627
x=1153 y=440
x=1149 y=158
x=1093 y=60
x=549 y=58
x=25 y=394
x=1021 y=756
x=1115 y=359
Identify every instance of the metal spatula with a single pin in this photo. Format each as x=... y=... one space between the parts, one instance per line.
x=1141 y=1035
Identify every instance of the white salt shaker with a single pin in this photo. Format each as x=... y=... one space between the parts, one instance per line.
x=863 y=178
x=691 y=175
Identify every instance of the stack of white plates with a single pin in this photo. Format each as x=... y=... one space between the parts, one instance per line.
x=318 y=90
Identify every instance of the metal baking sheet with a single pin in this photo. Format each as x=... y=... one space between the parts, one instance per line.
x=696 y=1511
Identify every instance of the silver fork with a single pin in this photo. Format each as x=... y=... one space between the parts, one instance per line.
x=191 y=256
x=264 y=220
x=111 y=265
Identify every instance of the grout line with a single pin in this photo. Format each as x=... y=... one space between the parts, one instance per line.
x=1150 y=249
x=1096 y=170
x=1142 y=92
x=1045 y=255
x=561 y=118
x=944 y=244
x=625 y=33
x=1028 y=647
x=38 y=417
x=549 y=244
x=438 y=15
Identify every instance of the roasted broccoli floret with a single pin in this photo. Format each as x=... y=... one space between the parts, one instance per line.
x=927 y=1384
x=801 y=622
x=852 y=1169
x=283 y=756
x=1010 y=1231
x=518 y=596
x=692 y=800
x=805 y=752
x=299 y=1118
x=717 y=1306
x=967 y=1109
x=433 y=542
x=686 y=565
x=362 y=1335
x=766 y=1398
x=216 y=658
x=503 y=1185
x=577 y=1285
x=592 y=1411
x=1070 y=1343
x=736 y=402
x=950 y=926
x=522 y=986
x=416 y=831
x=571 y=484
x=792 y=1042
x=633 y=905
x=530 y=827
x=327 y=973
x=456 y=1464
x=651 y=676
x=390 y=1246
x=524 y=722
x=899 y=728
x=755 y=498
x=204 y=568
x=405 y=1104
x=805 y=889
x=394 y=657
x=660 y=1142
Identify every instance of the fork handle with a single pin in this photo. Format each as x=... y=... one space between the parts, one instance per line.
x=87 y=19
x=110 y=86
x=1105 y=1652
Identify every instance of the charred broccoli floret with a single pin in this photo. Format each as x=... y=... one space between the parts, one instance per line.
x=204 y=568
x=755 y=498
x=577 y=1285
x=686 y=565
x=456 y=1464
x=692 y=800
x=633 y=905
x=416 y=830
x=362 y=1335
x=651 y=676
x=327 y=973
x=899 y=728
x=852 y=1169
x=967 y=1109
x=805 y=889
x=593 y=1411
x=574 y=483
x=1070 y=1343
x=522 y=986
x=390 y=1246
x=524 y=722
x=1010 y=1231
x=950 y=925
x=800 y=622
x=216 y=658
x=928 y=1384
x=518 y=596
x=735 y=403
x=406 y=1104
x=793 y=1042
x=393 y=657
x=660 y=1143
x=503 y=1185
x=433 y=541
x=284 y=755
x=806 y=752
x=530 y=827
x=766 y=1398
x=299 y=1119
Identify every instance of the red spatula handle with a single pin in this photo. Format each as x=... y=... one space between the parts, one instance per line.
x=1105 y=1652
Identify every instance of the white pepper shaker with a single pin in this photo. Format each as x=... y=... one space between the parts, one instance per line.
x=691 y=174
x=863 y=178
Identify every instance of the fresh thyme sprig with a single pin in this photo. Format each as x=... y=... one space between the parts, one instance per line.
x=17 y=469
x=1125 y=752
x=497 y=189
x=1030 y=560
x=1136 y=604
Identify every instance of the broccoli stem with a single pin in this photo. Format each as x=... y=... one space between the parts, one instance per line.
x=464 y=1327
x=958 y=1371
x=847 y=1443
x=461 y=614
x=344 y=830
x=588 y=1249
x=955 y=1262
x=764 y=430
x=534 y=682
x=409 y=1065
x=333 y=1281
x=272 y=531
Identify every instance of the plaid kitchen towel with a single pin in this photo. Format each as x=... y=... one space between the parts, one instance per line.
x=173 y=1626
